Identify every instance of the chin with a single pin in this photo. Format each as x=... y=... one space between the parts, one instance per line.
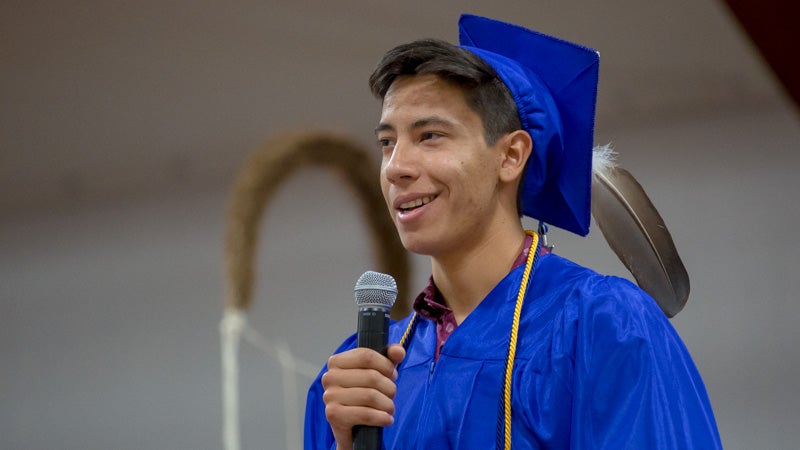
x=419 y=243
x=413 y=242
x=415 y=246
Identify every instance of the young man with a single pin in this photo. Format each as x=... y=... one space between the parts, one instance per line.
x=509 y=344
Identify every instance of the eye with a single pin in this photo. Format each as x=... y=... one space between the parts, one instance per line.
x=429 y=135
x=385 y=143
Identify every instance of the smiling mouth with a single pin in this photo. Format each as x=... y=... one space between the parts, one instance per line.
x=408 y=206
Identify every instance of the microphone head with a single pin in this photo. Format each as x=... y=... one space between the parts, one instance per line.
x=375 y=290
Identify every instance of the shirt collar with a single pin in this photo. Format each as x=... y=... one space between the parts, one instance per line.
x=430 y=303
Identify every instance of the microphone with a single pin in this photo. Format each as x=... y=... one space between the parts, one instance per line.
x=375 y=294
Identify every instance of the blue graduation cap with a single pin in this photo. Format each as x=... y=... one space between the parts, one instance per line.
x=554 y=83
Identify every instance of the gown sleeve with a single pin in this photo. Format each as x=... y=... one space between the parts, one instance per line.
x=317 y=433
x=636 y=385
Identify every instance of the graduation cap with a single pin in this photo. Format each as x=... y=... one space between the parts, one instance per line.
x=554 y=84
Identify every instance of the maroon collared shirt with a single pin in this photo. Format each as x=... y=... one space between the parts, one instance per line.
x=430 y=304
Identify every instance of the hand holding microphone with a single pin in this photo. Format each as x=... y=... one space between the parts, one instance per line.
x=359 y=384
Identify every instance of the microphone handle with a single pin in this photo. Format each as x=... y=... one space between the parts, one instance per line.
x=373 y=332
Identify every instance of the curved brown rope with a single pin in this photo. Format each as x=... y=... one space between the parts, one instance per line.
x=261 y=177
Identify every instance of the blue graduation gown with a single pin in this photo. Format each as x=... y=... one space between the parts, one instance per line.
x=598 y=366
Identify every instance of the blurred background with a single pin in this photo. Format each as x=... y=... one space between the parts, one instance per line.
x=124 y=124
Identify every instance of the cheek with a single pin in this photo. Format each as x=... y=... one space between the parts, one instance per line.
x=480 y=180
x=384 y=186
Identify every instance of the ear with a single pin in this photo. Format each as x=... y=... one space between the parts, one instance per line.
x=516 y=148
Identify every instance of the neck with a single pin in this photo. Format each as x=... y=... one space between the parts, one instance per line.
x=466 y=276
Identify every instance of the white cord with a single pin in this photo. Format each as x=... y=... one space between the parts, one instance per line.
x=301 y=366
x=233 y=328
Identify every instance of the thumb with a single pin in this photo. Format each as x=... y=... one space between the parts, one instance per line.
x=396 y=353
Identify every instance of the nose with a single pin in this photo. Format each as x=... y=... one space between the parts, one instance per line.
x=401 y=164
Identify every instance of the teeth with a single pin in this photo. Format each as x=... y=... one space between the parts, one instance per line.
x=416 y=203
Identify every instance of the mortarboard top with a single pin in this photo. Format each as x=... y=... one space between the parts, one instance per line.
x=554 y=83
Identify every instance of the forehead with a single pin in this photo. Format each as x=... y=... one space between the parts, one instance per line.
x=424 y=92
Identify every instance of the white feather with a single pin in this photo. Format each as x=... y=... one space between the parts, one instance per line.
x=603 y=158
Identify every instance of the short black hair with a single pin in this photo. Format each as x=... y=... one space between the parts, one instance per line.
x=483 y=89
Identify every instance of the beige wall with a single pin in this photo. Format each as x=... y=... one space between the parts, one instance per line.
x=108 y=326
x=121 y=126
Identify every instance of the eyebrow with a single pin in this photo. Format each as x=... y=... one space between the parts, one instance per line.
x=383 y=127
x=423 y=122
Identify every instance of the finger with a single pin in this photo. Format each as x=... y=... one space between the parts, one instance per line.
x=359 y=397
x=362 y=358
x=346 y=417
x=359 y=378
